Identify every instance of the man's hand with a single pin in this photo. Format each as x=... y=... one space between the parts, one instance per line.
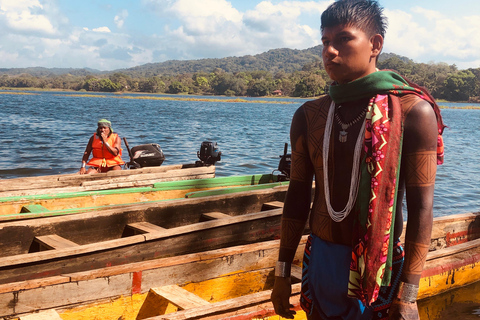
x=282 y=289
x=401 y=310
x=83 y=170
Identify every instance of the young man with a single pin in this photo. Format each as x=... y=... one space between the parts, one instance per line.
x=106 y=148
x=372 y=139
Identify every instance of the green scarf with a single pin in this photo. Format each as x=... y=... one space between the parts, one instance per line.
x=375 y=83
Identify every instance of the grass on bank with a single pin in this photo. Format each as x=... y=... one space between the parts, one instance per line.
x=226 y=100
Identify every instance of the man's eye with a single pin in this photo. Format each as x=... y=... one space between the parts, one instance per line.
x=344 y=39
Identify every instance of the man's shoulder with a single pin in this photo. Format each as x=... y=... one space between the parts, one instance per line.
x=317 y=104
x=408 y=101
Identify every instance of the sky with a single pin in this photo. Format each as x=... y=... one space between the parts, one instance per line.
x=108 y=35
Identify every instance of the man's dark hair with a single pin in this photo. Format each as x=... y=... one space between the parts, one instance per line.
x=366 y=15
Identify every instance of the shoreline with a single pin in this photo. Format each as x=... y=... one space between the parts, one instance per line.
x=183 y=97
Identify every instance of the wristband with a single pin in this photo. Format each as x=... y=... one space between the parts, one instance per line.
x=83 y=164
x=407 y=292
x=283 y=269
x=106 y=143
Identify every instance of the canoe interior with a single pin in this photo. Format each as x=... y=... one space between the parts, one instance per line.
x=20 y=207
x=218 y=284
x=54 y=184
x=123 y=291
x=55 y=245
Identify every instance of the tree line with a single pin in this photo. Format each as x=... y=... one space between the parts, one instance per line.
x=444 y=81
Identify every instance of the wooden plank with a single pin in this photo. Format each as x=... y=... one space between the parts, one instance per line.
x=145 y=227
x=213 y=216
x=53 y=241
x=168 y=299
x=102 y=181
x=223 y=308
x=44 y=315
x=128 y=184
x=272 y=205
x=32 y=284
x=433 y=255
x=177 y=174
x=180 y=297
x=296 y=272
x=64 y=294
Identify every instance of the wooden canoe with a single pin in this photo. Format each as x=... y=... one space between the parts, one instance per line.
x=50 y=246
x=42 y=205
x=227 y=283
x=55 y=184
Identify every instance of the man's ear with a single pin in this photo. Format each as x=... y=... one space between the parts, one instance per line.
x=377 y=45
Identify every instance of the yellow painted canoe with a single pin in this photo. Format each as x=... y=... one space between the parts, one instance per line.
x=227 y=283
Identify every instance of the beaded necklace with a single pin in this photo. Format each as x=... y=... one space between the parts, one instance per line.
x=338 y=216
x=342 y=136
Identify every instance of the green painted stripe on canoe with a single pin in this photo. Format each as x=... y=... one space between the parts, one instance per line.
x=159 y=186
x=206 y=193
x=219 y=182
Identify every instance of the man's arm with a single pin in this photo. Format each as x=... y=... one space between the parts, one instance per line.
x=295 y=214
x=115 y=149
x=419 y=165
x=86 y=155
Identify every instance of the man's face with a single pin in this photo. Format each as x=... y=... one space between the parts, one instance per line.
x=104 y=129
x=347 y=53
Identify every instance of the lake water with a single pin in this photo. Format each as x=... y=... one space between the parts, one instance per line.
x=46 y=133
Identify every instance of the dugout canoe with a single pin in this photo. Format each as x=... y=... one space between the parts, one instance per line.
x=227 y=283
x=43 y=205
x=36 y=248
x=74 y=182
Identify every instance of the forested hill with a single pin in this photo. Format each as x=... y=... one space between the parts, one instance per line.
x=287 y=72
x=287 y=60
x=275 y=60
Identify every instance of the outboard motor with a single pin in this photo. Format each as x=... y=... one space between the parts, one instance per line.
x=148 y=155
x=285 y=164
x=145 y=155
x=208 y=153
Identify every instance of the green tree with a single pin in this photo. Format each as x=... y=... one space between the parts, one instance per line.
x=459 y=86
x=106 y=85
x=177 y=87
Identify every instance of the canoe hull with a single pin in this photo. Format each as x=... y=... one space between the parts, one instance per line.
x=41 y=205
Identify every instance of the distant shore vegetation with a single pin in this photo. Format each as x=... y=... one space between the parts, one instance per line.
x=444 y=81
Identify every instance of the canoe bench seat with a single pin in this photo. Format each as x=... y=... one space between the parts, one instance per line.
x=168 y=299
x=272 y=205
x=144 y=227
x=51 y=241
x=213 y=216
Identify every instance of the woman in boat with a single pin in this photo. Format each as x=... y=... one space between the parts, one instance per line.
x=107 y=150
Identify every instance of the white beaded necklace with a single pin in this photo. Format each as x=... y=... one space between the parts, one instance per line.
x=338 y=216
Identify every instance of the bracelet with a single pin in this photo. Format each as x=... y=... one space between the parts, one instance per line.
x=83 y=164
x=106 y=143
x=282 y=269
x=407 y=292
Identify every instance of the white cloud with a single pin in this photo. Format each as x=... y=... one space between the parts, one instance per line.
x=213 y=28
x=427 y=35
x=37 y=33
x=25 y=16
x=120 y=18
x=102 y=29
